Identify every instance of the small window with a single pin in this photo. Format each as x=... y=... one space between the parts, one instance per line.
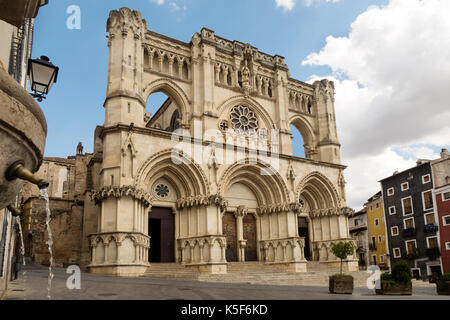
x=427 y=200
x=356 y=222
x=446 y=220
x=371 y=208
x=397 y=253
x=407 y=206
x=377 y=205
x=405 y=186
x=409 y=223
x=446 y=196
x=390 y=191
x=432 y=242
x=429 y=218
x=392 y=210
x=379 y=239
x=447 y=245
x=381 y=259
x=377 y=222
x=411 y=246
x=394 y=231
x=426 y=178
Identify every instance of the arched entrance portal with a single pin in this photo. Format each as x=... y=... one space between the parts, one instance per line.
x=239 y=224
x=161 y=229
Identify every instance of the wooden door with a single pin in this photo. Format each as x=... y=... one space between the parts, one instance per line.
x=162 y=230
x=249 y=226
x=303 y=231
x=229 y=231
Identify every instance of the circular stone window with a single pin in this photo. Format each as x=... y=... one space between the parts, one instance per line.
x=162 y=190
x=243 y=120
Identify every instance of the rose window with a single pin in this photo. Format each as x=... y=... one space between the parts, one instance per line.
x=162 y=190
x=243 y=120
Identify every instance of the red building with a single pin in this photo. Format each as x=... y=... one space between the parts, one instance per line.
x=441 y=177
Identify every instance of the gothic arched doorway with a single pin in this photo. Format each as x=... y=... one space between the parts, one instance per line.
x=161 y=229
x=303 y=231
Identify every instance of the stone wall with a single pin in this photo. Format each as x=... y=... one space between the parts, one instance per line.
x=68 y=183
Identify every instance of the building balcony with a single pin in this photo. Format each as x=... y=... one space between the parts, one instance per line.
x=358 y=228
x=430 y=228
x=413 y=255
x=410 y=232
x=433 y=253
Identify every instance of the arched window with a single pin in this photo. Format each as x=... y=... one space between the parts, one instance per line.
x=165 y=65
x=162 y=112
x=298 y=149
x=174 y=123
x=185 y=71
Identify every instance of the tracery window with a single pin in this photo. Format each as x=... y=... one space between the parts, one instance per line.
x=162 y=190
x=243 y=120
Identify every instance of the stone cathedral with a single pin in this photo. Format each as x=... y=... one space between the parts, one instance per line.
x=210 y=177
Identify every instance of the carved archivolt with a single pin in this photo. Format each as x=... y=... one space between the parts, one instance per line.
x=325 y=186
x=197 y=185
x=269 y=188
x=119 y=192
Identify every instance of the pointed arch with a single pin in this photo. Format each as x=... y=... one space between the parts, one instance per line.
x=171 y=89
x=318 y=192
x=187 y=178
x=305 y=129
x=250 y=102
x=264 y=181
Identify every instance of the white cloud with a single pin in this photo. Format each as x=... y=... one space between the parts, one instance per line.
x=176 y=6
x=287 y=5
x=309 y=3
x=158 y=2
x=392 y=75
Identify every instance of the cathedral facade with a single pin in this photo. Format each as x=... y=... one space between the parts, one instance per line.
x=210 y=177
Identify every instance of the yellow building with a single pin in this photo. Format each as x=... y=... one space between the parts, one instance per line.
x=377 y=231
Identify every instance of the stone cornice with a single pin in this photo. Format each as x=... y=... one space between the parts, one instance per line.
x=279 y=208
x=119 y=192
x=345 y=211
x=202 y=200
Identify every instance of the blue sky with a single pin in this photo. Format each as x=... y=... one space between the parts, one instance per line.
x=389 y=63
x=75 y=105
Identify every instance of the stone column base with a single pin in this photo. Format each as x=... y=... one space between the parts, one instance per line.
x=119 y=270
x=297 y=266
x=209 y=268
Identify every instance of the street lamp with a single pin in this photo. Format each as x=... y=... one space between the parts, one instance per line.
x=42 y=75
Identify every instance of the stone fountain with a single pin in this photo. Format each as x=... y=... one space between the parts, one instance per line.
x=23 y=130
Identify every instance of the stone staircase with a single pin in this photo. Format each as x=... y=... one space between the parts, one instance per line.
x=254 y=273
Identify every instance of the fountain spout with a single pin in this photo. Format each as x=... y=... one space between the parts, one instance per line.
x=17 y=170
x=14 y=211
